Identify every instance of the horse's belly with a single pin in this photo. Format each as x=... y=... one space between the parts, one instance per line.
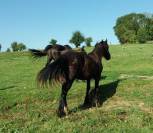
x=84 y=76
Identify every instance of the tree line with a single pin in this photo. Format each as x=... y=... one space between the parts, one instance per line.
x=130 y=28
x=15 y=46
x=76 y=39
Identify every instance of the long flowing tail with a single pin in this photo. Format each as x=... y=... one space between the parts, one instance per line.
x=37 y=53
x=56 y=71
x=40 y=53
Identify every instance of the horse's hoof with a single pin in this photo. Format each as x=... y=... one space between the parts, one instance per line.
x=66 y=110
x=61 y=113
x=97 y=104
x=86 y=105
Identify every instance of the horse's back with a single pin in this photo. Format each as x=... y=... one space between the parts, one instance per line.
x=47 y=47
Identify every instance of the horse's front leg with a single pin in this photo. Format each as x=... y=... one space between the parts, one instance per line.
x=87 y=98
x=63 y=109
x=96 y=93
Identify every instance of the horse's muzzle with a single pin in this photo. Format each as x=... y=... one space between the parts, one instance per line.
x=108 y=57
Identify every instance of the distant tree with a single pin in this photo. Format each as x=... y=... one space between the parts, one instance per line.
x=128 y=28
x=8 y=50
x=53 y=42
x=21 y=47
x=88 y=41
x=0 y=47
x=18 y=46
x=14 y=46
x=77 y=38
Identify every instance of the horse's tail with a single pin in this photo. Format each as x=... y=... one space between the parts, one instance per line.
x=37 y=53
x=56 y=71
x=40 y=53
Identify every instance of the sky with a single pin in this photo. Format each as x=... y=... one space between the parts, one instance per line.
x=35 y=22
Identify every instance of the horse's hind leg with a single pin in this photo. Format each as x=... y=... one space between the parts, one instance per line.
x=63 y=110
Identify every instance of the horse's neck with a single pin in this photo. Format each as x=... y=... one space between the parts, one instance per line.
x=95 y=55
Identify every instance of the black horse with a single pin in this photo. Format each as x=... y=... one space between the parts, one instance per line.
x=51 y=51
x=76 y=65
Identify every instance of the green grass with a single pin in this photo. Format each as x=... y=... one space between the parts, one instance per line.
x=127 y=91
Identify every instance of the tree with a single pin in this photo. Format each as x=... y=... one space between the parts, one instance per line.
x=8 y=50
x=127 y=28
x=77 y=38
x=21 y=47
x=18 y=46
x=14 y=46
x=88 y=41
x=53 y=42
x=0 y=47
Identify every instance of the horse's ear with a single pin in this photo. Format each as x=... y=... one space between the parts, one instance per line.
x=102 y=41
x=82 y=49
x=96 y=44
x=106 y=40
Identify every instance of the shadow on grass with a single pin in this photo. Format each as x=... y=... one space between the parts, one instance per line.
x=8 y=87
x=105 y=91
x=101 y=78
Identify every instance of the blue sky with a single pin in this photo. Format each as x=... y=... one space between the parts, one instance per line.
x=35 y=22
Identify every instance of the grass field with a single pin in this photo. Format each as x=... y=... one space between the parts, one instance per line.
x=126 y=93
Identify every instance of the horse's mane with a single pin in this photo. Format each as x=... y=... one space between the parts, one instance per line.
x=67 y=46
x=48 y=47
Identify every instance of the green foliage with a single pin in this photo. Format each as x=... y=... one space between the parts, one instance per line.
x=142 y=35
x=21 y=47
x=128 y=28
x=18 y=46
x=53 y=42
x=14 y=46
x=77 y=38
x=149 y=28
x=88 y=41
x=8 y=50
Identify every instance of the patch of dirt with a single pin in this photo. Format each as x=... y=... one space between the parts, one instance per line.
x=143 y=108
x=118 y=102
x=115 y=102
x=126 y=76
x=123 y=116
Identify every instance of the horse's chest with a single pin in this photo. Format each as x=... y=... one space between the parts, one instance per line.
x=90 y=70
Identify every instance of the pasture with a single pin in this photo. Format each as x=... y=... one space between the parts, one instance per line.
x=126 y=89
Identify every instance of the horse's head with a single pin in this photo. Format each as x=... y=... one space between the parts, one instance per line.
x=103 y=49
